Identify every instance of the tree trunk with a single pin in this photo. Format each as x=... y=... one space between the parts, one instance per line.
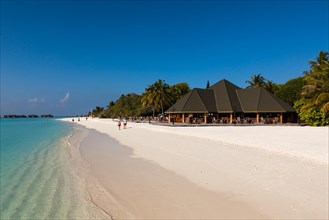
x=162 y=108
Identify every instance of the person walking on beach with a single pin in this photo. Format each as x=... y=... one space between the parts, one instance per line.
x=125 y=123
x=119 y=124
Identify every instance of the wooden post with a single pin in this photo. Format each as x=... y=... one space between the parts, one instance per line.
x=183 y=118
x=205 y=118
x=257 y=118
x=281 y=118
x=169 y=118
x=231 y=118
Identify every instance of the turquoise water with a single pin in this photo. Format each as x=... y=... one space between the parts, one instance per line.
x=37 y=181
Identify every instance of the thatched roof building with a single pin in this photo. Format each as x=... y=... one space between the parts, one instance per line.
x=226 y=100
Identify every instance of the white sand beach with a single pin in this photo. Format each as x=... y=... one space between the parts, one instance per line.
x=150 y=171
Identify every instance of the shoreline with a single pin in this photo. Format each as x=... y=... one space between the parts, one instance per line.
x=271 y=185
x=38 y=178
x=105 y=205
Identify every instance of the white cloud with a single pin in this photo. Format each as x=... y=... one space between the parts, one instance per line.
x=33 y=100
x=36 y=100
x=66 y=98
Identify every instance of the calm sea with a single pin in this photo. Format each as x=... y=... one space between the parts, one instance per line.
x=37 y=181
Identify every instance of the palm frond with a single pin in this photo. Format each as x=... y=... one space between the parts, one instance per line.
x=322 y=98
x=325 y=107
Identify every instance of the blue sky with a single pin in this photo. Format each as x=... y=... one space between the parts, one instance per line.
x=66 y=57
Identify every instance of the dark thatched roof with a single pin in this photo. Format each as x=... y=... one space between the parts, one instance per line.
x=196 y=101
x=261 y=100
x=225 y=97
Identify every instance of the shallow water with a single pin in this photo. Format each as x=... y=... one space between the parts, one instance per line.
x=37 y=179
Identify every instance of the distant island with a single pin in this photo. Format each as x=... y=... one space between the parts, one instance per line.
x=28 y=116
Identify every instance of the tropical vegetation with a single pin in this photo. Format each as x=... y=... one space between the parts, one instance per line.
x=96 y=111
x=128 y=105
x=256 y=81
x=156 y=98
x=160 y=95
x=290 y=92
x=313 y=107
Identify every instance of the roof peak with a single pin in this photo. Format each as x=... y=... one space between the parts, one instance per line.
x=225 y=82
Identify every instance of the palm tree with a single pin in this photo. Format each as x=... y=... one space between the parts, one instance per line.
x=322 y=57
x=147 y=100
x=161 y=94
x=314 y=105
x=256 y=81
x=316 y=90
x=157 y=95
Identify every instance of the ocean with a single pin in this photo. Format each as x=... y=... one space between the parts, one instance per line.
x=37 y=180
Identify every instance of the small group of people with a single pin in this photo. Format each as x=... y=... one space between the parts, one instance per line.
x=79 y=119
x=124 y=124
